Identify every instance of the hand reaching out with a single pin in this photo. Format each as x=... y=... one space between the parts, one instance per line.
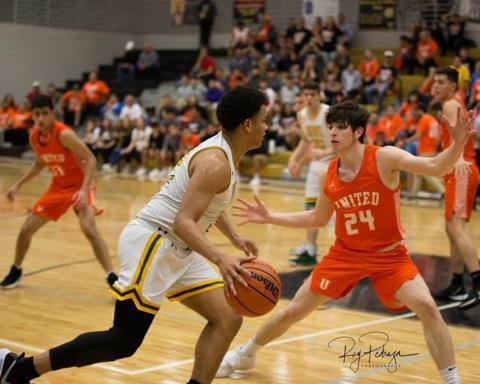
x=463 y=127
x=252 y=213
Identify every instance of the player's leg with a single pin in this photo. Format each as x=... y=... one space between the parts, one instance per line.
x=29 y=227
x=456 y=290
x=415 y=295
x=86 y=217
x=458 y=235
x=243 y=357
x=129 y=328
x=461 y=195
x=223 y=324
x=306 y=254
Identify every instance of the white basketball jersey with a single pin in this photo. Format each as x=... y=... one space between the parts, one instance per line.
x=315 y=130
x=161 y=210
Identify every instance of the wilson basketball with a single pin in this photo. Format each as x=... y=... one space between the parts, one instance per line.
x=262 y=293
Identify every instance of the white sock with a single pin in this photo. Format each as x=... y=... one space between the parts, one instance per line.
x=450 y=375
x=250 y=348
x=311 y=249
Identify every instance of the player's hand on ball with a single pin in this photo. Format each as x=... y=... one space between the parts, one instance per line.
x=252 y=213
x=231 y=270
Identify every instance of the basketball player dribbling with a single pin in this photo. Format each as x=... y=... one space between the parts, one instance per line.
x=460 y=189
x=163 y=253
x=72 y=165
x=314 y=142
x=362 y=187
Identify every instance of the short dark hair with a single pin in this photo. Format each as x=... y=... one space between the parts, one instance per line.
x=238 y=105
x=41 y=102
x=452 y=74
x=349 y=113
x=311 y=85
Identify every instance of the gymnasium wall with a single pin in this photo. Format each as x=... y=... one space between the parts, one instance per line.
x=51 y=54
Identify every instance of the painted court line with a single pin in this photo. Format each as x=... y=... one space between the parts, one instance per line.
x=179 y=363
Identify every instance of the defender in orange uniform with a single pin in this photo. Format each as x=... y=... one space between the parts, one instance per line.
x=460 y=189
x=72 y=165
x=362 y=187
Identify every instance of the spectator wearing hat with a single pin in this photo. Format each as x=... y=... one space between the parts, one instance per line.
x=34 y=92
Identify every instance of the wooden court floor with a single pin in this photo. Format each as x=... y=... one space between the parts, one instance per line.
x=64 y=293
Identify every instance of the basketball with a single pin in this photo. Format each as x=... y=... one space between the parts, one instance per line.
x=262 y=293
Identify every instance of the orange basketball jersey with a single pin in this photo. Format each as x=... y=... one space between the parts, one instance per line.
x=469 y=152
x=367 y=211
x=59 y=160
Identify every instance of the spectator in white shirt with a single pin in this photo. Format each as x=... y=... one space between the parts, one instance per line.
x=131 y=110
x=289 y=91
x=351 y=81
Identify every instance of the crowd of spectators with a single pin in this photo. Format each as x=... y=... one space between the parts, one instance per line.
x=125 y=135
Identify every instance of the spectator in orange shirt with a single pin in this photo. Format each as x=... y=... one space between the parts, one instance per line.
x=368 y=68
x=425 y=89
x=427 y=50
x=390 y=123
x=73 y=103
x=18 y=126
x=406 y=107
x=95 y=92
x=428 y=136
x=188 y=141
x=372 y=128
x=384 y=81
x=265 y=33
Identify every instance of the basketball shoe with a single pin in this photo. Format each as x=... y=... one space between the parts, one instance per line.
x=472 y=299
x=12 y=279
x=303 y=258
x=7 y=362
x=454 y=292
x=233 y=361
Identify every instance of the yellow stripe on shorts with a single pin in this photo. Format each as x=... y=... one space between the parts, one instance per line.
x=195 y=289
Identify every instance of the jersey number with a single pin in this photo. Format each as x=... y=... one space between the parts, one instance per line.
x=353 y=218
x=57 y=170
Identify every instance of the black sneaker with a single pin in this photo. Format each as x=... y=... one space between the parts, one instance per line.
x=111 y=279
x=472 y=300
x=7 y=362
x=452 y=293
x=12 y=279
x=303 y=258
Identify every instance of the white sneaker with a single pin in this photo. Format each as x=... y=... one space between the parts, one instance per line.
x=107 y=168
x=141 y=172
x=255 y=182
x=297 y=250
x=154 y=175
x=233 y=361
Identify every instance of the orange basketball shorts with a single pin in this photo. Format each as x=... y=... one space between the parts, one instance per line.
x=341 y=269
x=460 y=194
x=56 y=201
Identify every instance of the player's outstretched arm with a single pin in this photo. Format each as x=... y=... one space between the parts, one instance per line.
x=259 y=213
x=396 y=159
x=36 y=168
x=209 y=175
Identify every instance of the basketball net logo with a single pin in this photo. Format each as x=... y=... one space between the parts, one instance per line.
x=324 y=283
